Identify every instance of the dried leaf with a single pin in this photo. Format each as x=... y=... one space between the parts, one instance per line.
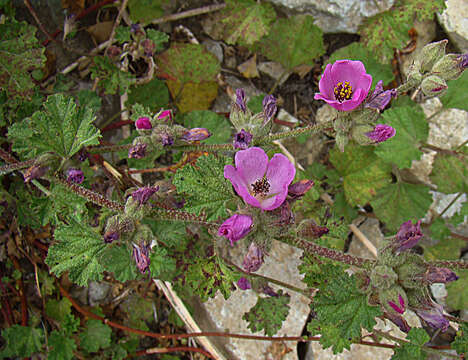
x=248 y=69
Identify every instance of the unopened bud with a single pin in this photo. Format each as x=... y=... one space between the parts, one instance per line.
x=359 y=134
x=196 y=134
x=309 y=229
x=269 y=107
x=394 y=299
x=299 y=188
x=381 y=133
x=142 y=195
x=244 y=284
x=141 y=257
x=430 y=54
x=75 y=175
x=240 y=100
x=165 y=115
x=137 y=151
x=383 y=277
x=143 y=123
x=407 y=236
x=433 y=85
x=439 y=275
x=450 y=67
x=253 y=259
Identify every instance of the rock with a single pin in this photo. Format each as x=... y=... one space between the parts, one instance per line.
x=281 y=264
x=98 y=292
x=371 y=229
x=274 y=70
x=334 y=16
x=215 y=48
x=455 y=22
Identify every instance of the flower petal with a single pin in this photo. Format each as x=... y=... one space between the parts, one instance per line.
x=347 y=70
x=251 y=164
x=240 y=186
x=326 y=83
x=280 y=173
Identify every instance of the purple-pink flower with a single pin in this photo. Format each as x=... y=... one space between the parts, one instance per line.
x=381 y=133
x=400 y=307
x=242 y=139
x=344 y=85
x=75 y=175
x=165 y=115
x=261 y=182
x=236 y=227
x=196 y=134
x=143 y=123
x=142 y=195
x=244 y=284
x=380 y=98
x=253 y=260
x=408 y=236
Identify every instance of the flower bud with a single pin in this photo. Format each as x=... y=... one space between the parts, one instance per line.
x=244 y=284
x=380 y=98
x=359 y=134
x=309 y=229
x=439 y=275
x=299 y=188
x=430 y=54
x=433 y=85
x=253 y=260
x=75 y=175
x=142 y=195
x=383 y=277
x=235 y=228
x=111 y=236
x=381 y=133
x=143 y=123
x=196 y=134
x=242 y=140
x=407 y=236
x=451 y=66
x=165 y=115
x=398 y=321
x=394 y=299
x=414 y=77
x=137 y=151
x=269 y=108
x=34 y=172
x=429 y=311
x=240 y=100
x=141 y=257
x=410 y=274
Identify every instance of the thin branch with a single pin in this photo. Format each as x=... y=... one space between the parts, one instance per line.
x=116 y=23
x=171 y=350
x=363 y=239
x=450 y=264
x=5 y=169
x=108 y=148
x=296 y=132
x=189 y=13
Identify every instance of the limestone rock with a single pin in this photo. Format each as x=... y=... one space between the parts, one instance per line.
x=334 y=16
x=371 y=229
x=455 y=21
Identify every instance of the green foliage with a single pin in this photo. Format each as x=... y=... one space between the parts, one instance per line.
x=61 y=347
x=450 y=173
x=457 y=298
x=342 y=207
x=21 y=341
x=412 y=350
x=268 y=313
x=95 y=336
x=411 y=130
x=20 y=55
x=342 y=310
x=363 y=172
x=455 y=97
x=118 y=260
x=218 y=125
x=461 y=340
x=205 y=187
x=162 y=266
x=439 y=229
x=159 y=38
x=446 y=249
x=88 y=98
x=62 y=128
x=58 y=309
x=388 y=30
x=78 y=250
x=293 y=41
x=122 y=34
x=357 y=51
x=144 y=11
x=206 y=276
x=111 y=78
x=400 y=202
x=338 y=231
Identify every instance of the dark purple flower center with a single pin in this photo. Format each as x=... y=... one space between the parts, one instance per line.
x=261 y=187
x=343 y=91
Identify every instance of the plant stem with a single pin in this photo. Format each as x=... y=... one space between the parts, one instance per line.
x=203 y=147
x=108 y=148
x=166 y=350
x=5 y=169
x=296 y=132
x=450 y=264
x=449 y=205
x=461 y=145
x=177 y=215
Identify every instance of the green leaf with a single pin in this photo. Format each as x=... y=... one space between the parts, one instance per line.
x=450 y=173
x=20 y=54
x=122 y=34
x=162 y=266
x=78 y=250
x=400 y=202
x=363 y=172
x=455 y=97
x=340 y=305
x=111 y=78
x=340 y=206
x=21 y=341
x=218 y=125
x=118 y=260
x=205 y=186
x=95 y=336
x=457 y=298
x=61 y=346
x=268 y=313
x=447 y=249
x=461 y=340
x=90 y=99
x=159 y=38
x=293 y=41
x=412 y=350
x=62 y=128
x=357 y=51
x=58 y=309
x=153 y=95
x=411 y=130
x=439 y=229
x=144 y=11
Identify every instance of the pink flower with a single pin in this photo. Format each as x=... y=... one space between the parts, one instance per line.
x=381 y=133
x=408 y=236
x=244 y=284
x=143 y=123
x=344 y=85
x=261 y=183
x=235 y=228
x=400 y=308
x=165 y=115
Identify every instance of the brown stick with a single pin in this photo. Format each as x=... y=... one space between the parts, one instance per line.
x=170 y=350
x=189 y=13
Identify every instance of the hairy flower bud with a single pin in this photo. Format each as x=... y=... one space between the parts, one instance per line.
x=240 y=100
x=430 y=54
x=142 y=195
x=165 y=115
x=111 y=236
x=300 y=188
x=143 y=123
x=359 y=133
x=244 y=284
x=309 y=229
x=407 y=236
x=439 y=275
x=196 y=134
x=380 y=98
x=236 y=227
x=141 y=257
x=137 y=151
x=242 y=140
x=381 y=133
x=433 y=85
x=75 y=176
x=34 y=172
x=451 y=66
x=383 y=277
x=394 y=299
x=253 y=260
x=269 y=107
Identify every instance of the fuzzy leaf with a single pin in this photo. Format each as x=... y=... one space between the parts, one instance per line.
x=450 y=173
x=218 y=125
x=122 y=34
x=357 y=51
x=58 y=309
x=95 y=336
x=362 y=171
x=411 y=130
x=400 y=202
x=20 y=54
x=111 y=78
x=293 y=41
x=162 y=266
x=159 y=38
x=445 y=249
x=412 y=350
x=61 y=346
x=62 y=128
x=118 y=260
x=461 y=340
x=78 y=250
x=144 y=11
x=457 y=298
x=205 y=186
x=21 y=341
x=193 y=96
x=455 y=96
x=268 y=313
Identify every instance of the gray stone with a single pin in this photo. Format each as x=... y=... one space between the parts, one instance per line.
x=274 y=70
x=371 y=229
x=98 y=292
x=215 y=48
x=455 y=22
x=325 y=113
x=337 y=15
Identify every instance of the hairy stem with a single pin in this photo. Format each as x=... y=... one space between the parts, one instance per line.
x=5 y=169
x=108 y=148
x=292 y=133
x=450 y=264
